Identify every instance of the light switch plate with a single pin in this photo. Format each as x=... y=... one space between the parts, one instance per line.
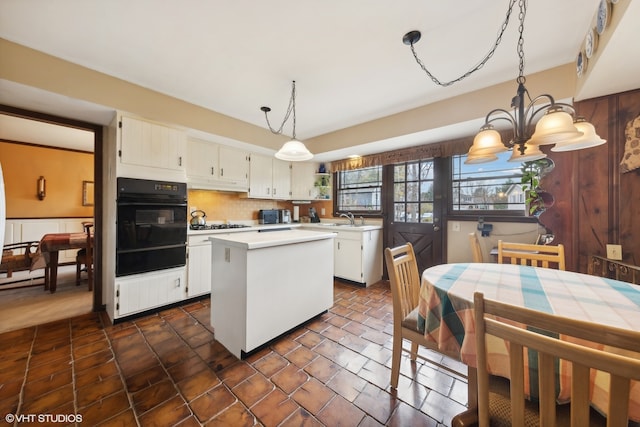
x=614 y=252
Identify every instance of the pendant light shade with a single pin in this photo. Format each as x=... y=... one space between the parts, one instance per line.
x=486 y=145
x=555 y=126
x=294 y=151
x=587 y=140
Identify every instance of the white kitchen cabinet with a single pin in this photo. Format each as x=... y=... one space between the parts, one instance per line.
x=140 y=292
x=269 y=178
x=217 y=167
x=281 y=179
x=198 y=266
x=358 y=256
x=202 y=160
x=234 y=167
x=303 y=181
x=268 y=283
x=151 y=145
x=348 y=256
x=357 y=251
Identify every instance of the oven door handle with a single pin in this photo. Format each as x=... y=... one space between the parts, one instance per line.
x=152 y=203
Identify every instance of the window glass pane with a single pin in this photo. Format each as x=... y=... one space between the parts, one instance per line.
x=359 y=190
x=398 y=212
x=426 y=170
x=487 y=186
x=426 y=191
x=413 y=171
x=398 y=192
x=426 y=212
x=412 y=191
x=398 y=173
x=413 y=212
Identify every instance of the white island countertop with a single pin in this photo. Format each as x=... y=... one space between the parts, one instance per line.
x=265 y=239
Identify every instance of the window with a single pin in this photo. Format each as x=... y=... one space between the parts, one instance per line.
x=359 y=190
x=493 y=186
x=413 y=191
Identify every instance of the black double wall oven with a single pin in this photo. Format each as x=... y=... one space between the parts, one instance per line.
x=151 y=225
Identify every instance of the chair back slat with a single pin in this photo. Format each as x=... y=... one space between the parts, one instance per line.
x=547 y=256
x=403 y=278
x=583 y=347
x=476 y=250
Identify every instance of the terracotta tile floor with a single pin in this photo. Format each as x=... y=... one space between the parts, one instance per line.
x=167 y=369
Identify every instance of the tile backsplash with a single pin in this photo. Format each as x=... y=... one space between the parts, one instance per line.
x=223 y=206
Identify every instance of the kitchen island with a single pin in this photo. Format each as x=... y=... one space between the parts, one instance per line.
x=267 y=283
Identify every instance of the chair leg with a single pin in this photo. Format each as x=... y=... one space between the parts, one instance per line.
x=396 y=355
x=90 y=275
x=78 y=269
x=414 y=351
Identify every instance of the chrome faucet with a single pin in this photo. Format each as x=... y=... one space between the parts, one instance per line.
x=350 y=217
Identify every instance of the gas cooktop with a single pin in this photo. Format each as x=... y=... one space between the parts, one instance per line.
x=217 y=226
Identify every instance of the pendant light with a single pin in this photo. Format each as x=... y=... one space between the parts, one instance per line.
x=556 y=124
x=294 y=150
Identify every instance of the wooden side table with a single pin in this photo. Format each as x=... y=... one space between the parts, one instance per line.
x=614 y=269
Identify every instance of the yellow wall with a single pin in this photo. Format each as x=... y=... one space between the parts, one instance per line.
x=64 y=172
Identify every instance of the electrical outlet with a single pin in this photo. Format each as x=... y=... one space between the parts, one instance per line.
x=322 y=212
x=455 y=225
x=614 y=252
x=192 y=209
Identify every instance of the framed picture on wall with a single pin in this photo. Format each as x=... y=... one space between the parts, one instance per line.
x=87 y=193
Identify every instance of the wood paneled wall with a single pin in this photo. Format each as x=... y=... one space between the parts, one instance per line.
x=595 y=204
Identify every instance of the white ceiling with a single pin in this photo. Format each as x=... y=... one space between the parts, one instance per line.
x=347 y=57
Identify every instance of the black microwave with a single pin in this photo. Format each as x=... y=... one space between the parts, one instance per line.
x=268 y=216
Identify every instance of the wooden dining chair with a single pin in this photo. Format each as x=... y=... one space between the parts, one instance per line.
x=17 y=257
x=476 y=250
x=404 y=280
x=540 y=336
x=535 y=255
x=84 y=257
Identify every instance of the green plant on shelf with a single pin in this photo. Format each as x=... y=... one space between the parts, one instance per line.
x=532 y=173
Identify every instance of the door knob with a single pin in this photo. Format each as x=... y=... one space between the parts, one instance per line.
x=436 y=228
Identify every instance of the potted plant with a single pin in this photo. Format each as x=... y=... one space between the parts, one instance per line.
x=536 y=199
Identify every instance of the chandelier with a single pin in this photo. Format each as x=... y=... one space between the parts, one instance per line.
x=556 y=122
x=294 y=150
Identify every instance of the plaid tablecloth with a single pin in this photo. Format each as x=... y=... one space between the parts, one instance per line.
x=446 y=312
x=55 y=242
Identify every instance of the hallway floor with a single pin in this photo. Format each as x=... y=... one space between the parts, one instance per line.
x=166 y=369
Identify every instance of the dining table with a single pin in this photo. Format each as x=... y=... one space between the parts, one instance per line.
x=447 y=318
x=48 y=250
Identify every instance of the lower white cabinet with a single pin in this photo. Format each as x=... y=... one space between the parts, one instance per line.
x=358 y=256
x=199 y=266
x=140 y=292
x=348 y=256
x=357 y=252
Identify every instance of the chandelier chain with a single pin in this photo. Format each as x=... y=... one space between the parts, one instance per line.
x=291 y=110
x=523 y=11
x=487 y=56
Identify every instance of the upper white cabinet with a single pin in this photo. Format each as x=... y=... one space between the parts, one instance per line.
x=234 y=167
x=147 y=149
x=269 y=178
x=303 y=181
x=217 y=167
